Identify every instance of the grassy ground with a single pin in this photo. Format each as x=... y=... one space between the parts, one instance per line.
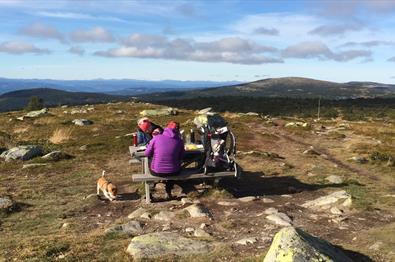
x=57 y=217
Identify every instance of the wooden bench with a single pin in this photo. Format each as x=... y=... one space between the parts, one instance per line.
x=185 y=174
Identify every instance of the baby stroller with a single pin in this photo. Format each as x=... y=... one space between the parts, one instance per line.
x=219 y=144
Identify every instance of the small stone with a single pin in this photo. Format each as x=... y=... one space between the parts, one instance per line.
x=6 y=204
x=164 y=216
x=83 y=148
x=336 y=211
x=82 y=122
x=203 y=225
x=334 y=179
x=65 y=225
x=33 y=165
x=309 y=174
x=359 y=159
x=226 y=203
x=146 y=215
x=270 y=210
x=130 y=228
x=189 y=229
x=347 y=202
x=267 y=200
x=286 y=196
x=376 y=246
x=166 y=227
x=247 y=199
x=56 y=156
x=185 y=201
x=197 y=210
x=246 y=241
x=137 y=213
x=200 y=233
x=311 y=151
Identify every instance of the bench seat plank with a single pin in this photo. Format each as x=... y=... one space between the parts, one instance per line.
x=184 y=175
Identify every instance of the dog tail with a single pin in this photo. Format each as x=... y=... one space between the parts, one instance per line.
x=103 y=173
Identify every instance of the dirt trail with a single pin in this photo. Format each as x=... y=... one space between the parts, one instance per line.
x=282 y=133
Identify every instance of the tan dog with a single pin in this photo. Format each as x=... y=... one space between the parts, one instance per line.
x=108 y=188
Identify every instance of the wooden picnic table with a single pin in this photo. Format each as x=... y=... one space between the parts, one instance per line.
x=185 y=174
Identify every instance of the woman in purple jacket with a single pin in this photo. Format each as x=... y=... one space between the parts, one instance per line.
x=167 y=151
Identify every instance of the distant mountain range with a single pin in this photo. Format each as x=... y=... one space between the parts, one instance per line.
x=17 y=100
x=128 y=87
x=121 y=90
x=294 y=87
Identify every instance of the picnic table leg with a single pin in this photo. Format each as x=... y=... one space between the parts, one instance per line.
x=147 y=188
x=147 y=193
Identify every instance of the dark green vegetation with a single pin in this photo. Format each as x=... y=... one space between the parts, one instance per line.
x=35 y=103
x=350 y=109
x=295 y=87
x=19 y=99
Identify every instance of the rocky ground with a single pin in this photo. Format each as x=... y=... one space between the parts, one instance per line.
x=333 y=179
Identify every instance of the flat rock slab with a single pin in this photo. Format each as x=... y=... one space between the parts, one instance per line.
x=327 y=201
x=280 y=219
x=292 y=244
x=137 y=213
x=132 y=228
x=33 y=165
x=22 y=153
x=197 y=210
x=157 y=245
x=226 y=203
x=37 y=113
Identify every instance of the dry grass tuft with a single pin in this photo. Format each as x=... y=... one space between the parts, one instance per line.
x=61 y=135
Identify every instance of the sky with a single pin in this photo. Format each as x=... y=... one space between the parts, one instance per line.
x=244 y=40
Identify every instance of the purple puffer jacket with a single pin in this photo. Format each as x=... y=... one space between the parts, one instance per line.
x=167 y=151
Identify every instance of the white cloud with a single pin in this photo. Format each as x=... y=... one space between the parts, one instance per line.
x=391 y=59
x=369 y=43
x=266 y=31
x=319 y=50
x=337 y=29
x=96 y=34
x=42 y=31
x=17 y=48
x=231 y=50
x=81 y=16
x=76 y=50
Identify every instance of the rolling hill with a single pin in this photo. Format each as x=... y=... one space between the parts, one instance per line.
x=294 y=87
x=18 y=99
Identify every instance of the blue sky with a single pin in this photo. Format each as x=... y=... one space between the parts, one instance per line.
x=198 y=40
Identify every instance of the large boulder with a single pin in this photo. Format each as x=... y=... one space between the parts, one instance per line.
x=24 y=153
x=294 y=245
x=157 y=245
x=159 y=112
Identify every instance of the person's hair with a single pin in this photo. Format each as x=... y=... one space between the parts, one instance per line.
x=143 y=119
x=173 y=124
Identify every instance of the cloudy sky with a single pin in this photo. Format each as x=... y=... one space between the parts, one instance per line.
x=216 y=40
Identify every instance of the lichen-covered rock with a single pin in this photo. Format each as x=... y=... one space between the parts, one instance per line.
x=292 y=245
x=36 y=113
x=197 y=210
x=155 y=245
x=22 y=153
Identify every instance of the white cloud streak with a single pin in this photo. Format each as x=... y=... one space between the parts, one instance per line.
x=18 y=48
x=40 y=30
x=230 y=50
x=96 y=34
x=318 y=50
x=80 y=16
x=76 y=50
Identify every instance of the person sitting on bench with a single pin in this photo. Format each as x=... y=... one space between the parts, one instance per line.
x=167 y=151
x=146 y=130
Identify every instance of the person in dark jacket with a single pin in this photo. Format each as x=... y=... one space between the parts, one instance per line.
x=167 y=151
x=146 y=130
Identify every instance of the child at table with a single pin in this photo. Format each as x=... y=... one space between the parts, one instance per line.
x=146 y=130
x=167 y=151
